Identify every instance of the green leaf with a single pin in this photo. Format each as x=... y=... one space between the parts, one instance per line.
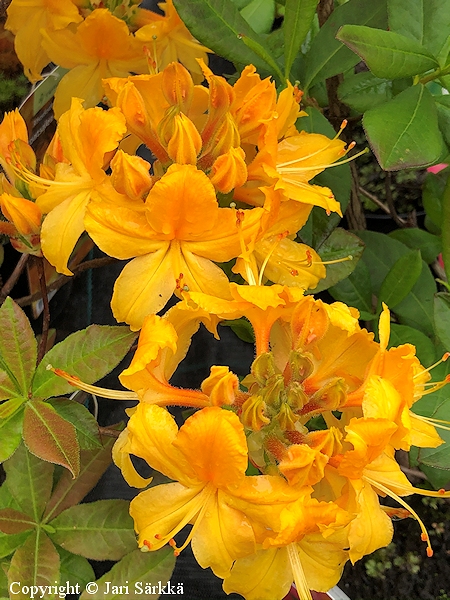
x=433 y=191
x=298 y=17
x=69 y=491
x=30 y=482
x=416 y=310
x=356 y=290
x=50 y=437
x=137 y=568
x=439 y=457
x=340 y=244
x=13 y=521
x=327 y=55
x=219 y=25
x=387 y=54
x=402 y=334
x=442 y=318
x=18 y=349
x=364 y=91
x=74 y=569
x=242 y=328
x=84 y=423
x=401 y=278
x=10 y=433
x=443 y=112
x=397 y=132
x=10 y=542
x=90 y=354
x=101 y=530
x=379 y=255
x=260 y=15
x=446 y=229
x=35 y=563
x=428 y=244
x=426 y=21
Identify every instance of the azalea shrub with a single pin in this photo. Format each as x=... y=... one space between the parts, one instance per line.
x=239 y=201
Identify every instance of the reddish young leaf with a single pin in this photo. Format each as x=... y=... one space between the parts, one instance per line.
x=14 y=521
x=69 y=491
x=50 y=437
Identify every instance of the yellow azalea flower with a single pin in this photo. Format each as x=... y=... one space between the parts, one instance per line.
x=309 y=550
x=101 y=47
x=24 y=213
x=12 y=130
x=87 y=137
x=207 y=459
x=168 y=40
x=175 y=239
x=29 y=20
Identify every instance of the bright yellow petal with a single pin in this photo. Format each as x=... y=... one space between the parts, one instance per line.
x=423 y=434
x=61 y=229
x=123 y=461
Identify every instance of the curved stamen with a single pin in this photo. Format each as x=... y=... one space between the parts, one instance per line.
x=298 y=572
x=282 y=169
x=93 y=389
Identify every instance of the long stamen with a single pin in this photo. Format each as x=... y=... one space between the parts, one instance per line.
x=434 y=422
x=93 y=389
x=280 y=237
x=244 y=250
x=281 y=169
x=410 y=489
x=209 y=492
x=432 y=387
x=443 y=359
x=298 y=572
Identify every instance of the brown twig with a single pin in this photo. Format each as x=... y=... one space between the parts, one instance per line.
x=390 y=201
x=414 y=473
x=12 y=280
x=374 y=199
x=46 y=311
x=89 y=264
x=109 y=432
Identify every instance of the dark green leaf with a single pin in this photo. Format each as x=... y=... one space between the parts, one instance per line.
x=397 y=133
x=327 y=56
x=101 y=530
x=439 y=457
x=74 y=569
x=442 y=318
x=260 y=15
x=379 y=256
x=30 y=481
x=429 y=245
x=10 y=542
x=387 y=54
x=219 y=25
x=446 y=229
x=298 y=17
x=426 y=21
x=84 y=423
x=50 y=437
x=69 y=491
x=356 y=290
x=136 y=568
x=242 y=328
x=35 y=563
x=433 y=191
x=18 y=349
x=339 y=245
x=364 y=91
x=10 y=433
x=401 y=278
x=443 y=112
x=416 y=310
x=90 y=354
x=402 y=334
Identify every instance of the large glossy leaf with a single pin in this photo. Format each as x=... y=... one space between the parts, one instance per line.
x=260 y=15
x=442 y=318
x=298 y=16
x=90 y=354
x=446 y=229
x=101 y=530
x=50 y=437
x=68 y=491
x=443 y=111
x=432 y=194
x=426 y=21
x=429 y=245
x=30 y=482
x=387 y=54
x=219 y=25
x=363 y=91
x=339 y=245
x=401 y=278
x=137 y=568
x=85 y=424
x=327 y=56
x=35 y=563
x=404 y=132
x=18 y=349
x=356 y=290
